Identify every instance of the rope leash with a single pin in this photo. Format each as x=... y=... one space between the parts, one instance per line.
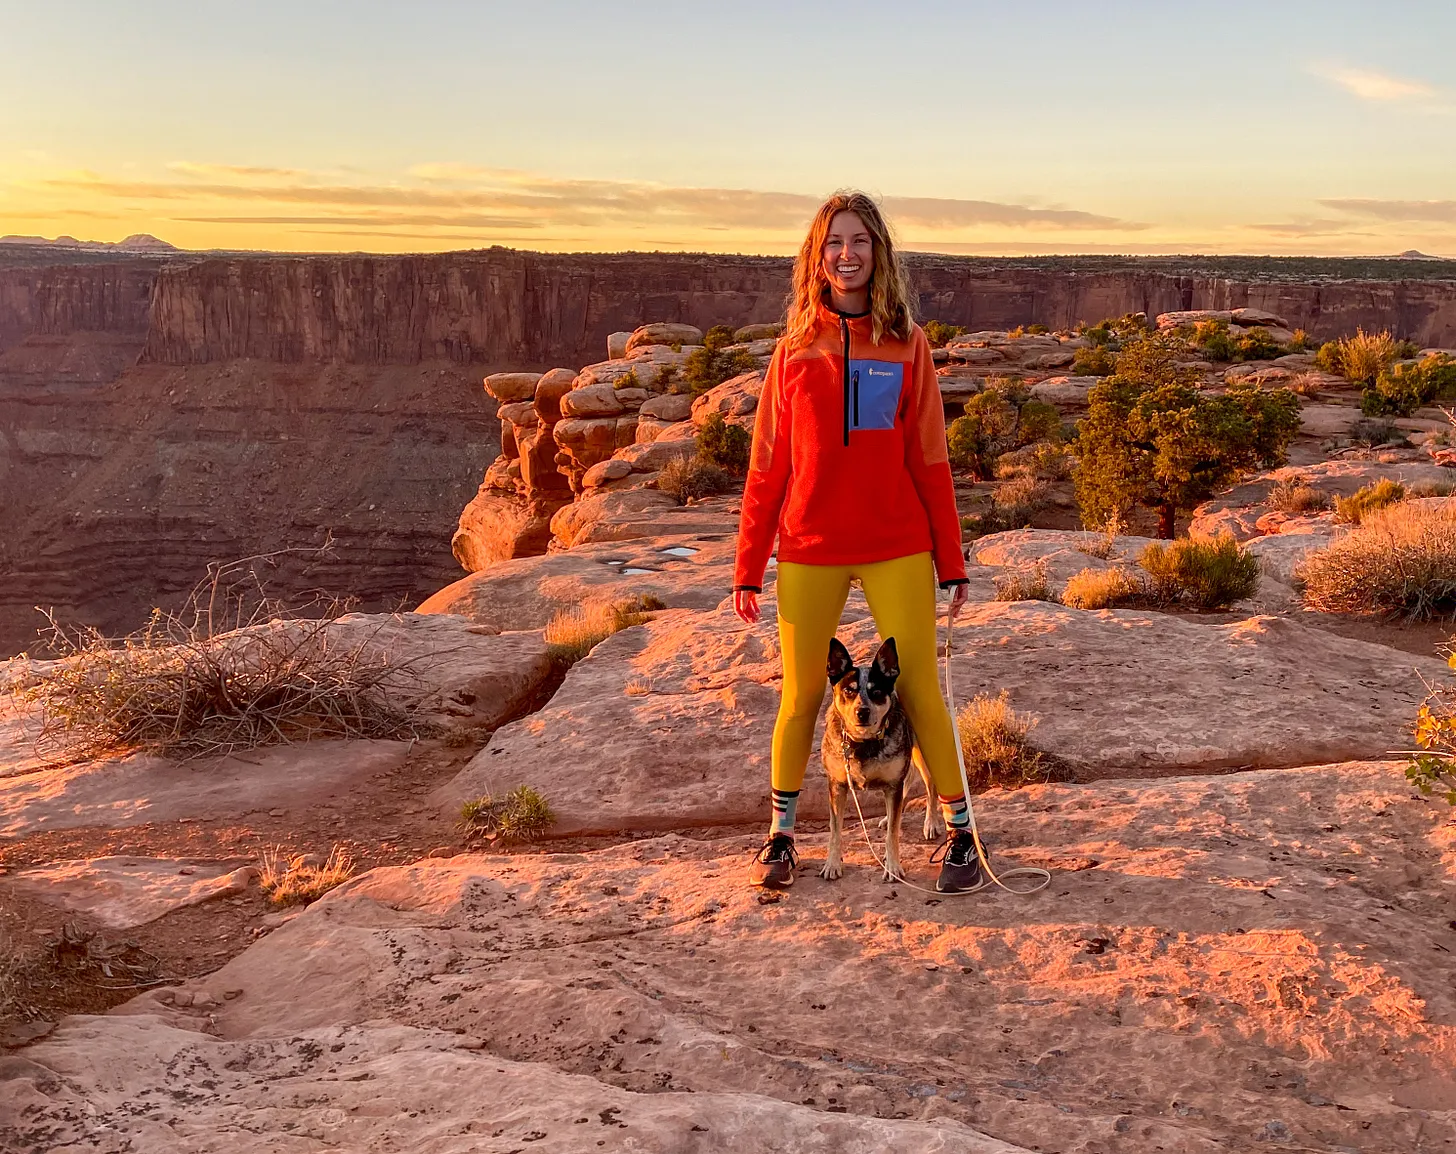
x=1044 y=876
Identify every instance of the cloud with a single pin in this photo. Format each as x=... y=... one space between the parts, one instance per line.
x=467 y=196
x=1382 y=88
x=1439 y=211
x=1318 y=226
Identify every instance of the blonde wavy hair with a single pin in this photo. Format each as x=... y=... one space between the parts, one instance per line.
x=890 y=308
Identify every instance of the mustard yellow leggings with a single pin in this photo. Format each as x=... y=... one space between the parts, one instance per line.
x=901 y=595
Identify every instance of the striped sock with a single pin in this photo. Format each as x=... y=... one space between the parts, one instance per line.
x=785 y=803
x=956 y=812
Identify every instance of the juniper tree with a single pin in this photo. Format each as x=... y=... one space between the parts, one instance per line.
x=1152 y=438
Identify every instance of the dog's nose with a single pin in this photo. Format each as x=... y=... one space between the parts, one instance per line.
x=862 y=716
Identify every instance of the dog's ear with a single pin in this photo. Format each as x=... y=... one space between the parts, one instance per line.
x=840 y=662
x=887 y=662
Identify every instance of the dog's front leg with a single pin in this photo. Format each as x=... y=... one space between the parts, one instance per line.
x=895 y=808
x=834 y=862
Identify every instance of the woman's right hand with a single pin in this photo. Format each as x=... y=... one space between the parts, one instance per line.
x=745 y=604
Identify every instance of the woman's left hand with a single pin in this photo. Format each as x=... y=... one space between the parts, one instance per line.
x=958 y=597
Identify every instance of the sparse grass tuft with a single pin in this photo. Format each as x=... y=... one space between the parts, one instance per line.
x=692 y=478
x=1305 y=385
x=639 y=687
x=521 y=815
x=1399 y=560
x=994 y=739
x=1199 y=573
x=1105 y=589
x=1296 y=495
x=1359 y=358
x=575 y=632
x=1376 y=433
x=1376 y=495
x=1025 y=584
x=301 y=878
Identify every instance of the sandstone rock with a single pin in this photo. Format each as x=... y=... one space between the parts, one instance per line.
x=735 y=399
x=586 y=439
x=1069 y=392
x=1117 y=693
x=758 y=332
x=612 y=469
x=649 y=429
x=617 y=345
x=592 y=401
x=122 y=892
x=668 y=444
x=958 y=384
x=1260 y=317
x=626 y=515
x=974 y=354
x=669 y=407
x=508 y=387
x=549 y=391
x=496 y=527
x=1061 y=552
x=631 y=398
x=538 y=469
x=1054 y=360
x=665 y=333
x=1191 y=317
x=519 y=413
x=1299 y=362
x=1280 y=554
x=526 y=594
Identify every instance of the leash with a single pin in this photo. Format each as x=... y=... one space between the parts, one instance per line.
x=1044 y=877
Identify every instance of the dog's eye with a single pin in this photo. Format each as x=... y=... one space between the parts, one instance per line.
x=877 y=696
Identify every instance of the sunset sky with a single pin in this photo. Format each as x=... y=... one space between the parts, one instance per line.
x=1318 y=128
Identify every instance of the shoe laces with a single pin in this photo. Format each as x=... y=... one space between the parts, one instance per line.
x=957 y=850
x=778 y=848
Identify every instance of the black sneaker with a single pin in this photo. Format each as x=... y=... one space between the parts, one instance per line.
x=773 y=865
x=960 y=865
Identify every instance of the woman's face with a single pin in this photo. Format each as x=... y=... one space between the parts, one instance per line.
x=849 y=254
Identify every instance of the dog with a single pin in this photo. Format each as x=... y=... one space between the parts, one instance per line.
x=869 y=744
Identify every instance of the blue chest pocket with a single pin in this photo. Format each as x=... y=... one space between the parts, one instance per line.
x=874 y=393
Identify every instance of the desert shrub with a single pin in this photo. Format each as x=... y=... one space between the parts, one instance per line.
x=1099 y=334
x=521 y=815
x=1434 y=767
x=938 y=333
x=1359 y=358
x=1026 y=583
x=299 y=879
x=572 y=633
x=1021 y=492
x=1096 y=361
x=1105 y=589
x=996 y=519
x=1300 y=342
x=995 y=741
x=1400 y=561
x=1044 y=460
x=1376 y=433
x=724 y=444
x=1199 y=573
x=1365 y=500
x=1305 y=385
x=232 y=670
x=715 y=362
x=1152 y=438
x=1037 y=330
x=1404 y=387
x=1258 y=345
x=627 y=380
x=1213 y=339
x=692 y=478
x=1296 y=495
x=1000 y=418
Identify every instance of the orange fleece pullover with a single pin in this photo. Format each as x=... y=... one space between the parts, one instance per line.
x=849 y=461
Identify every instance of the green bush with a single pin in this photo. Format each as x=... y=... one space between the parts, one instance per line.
x=1376 y=495
x=1098 y=361
x=938 y=333
x=1402 y=388
x=1000 y=418
x=724 y=445
x=1038 y=330
x=1258 y=345
x=1099 y=334
x=628 y=380
x=1199 y=573
x=1376 y=433
x=1434 y=768
x=1213 y=339
x=1152 y=438
x=521 y=815
x=1360 y=358
x=715 y=362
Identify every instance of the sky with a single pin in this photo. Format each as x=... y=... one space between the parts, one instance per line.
x=986 y=128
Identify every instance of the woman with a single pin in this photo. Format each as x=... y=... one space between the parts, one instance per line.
x=849 y=470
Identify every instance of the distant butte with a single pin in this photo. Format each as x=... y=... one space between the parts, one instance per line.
x=139 y=242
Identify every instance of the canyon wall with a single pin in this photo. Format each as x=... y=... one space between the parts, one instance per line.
x=158 y=414
x=535 y=310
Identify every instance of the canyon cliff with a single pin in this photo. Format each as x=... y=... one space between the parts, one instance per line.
x=158 y=413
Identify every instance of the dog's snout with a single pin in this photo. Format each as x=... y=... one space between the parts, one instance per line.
x=862 y=715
